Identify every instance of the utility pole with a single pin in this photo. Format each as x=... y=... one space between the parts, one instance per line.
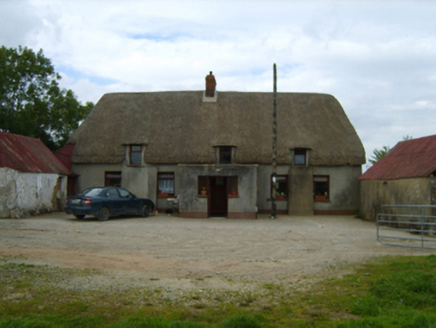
x=274 y=150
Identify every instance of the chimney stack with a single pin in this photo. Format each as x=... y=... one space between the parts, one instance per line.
x=210 y=85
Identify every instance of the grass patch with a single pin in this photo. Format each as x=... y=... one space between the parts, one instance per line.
x=388 y=292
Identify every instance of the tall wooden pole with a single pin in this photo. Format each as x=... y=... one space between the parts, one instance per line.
x=274 y=150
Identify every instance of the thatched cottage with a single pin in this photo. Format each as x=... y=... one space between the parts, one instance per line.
x=406 y=175
x=212 y=150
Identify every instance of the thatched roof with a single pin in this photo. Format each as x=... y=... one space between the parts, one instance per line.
x=178 y=127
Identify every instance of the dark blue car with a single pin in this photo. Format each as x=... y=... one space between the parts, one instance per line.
x=104 y=202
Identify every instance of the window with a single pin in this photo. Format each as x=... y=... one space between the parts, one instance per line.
x=281 y=182
x=112 y=193
x=299 y=156
x=321 y=188
x=232 y=186
x=225 y=156
x=202 y=185
x=124 y=193
x=165 y=184
x=135 y=154
x=112 y=179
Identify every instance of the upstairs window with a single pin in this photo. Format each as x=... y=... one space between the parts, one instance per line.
x=165 y=183
x=321 y=188
x=300 y=156
x=135 y=154
x=225 y=155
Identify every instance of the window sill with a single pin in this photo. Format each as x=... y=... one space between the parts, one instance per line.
x=278 y=199
x=166 y=196
x=322 y=200
x=202 y=196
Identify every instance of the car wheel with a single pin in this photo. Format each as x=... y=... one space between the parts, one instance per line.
x=145 y=211
x=79 y=216
x=103 y=214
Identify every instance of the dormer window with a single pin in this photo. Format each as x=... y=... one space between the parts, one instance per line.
x=135 y=154
x=300 y=156
x=225 y=156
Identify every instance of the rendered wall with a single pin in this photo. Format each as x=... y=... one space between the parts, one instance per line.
x=92 y=175
x=242 y=206
x=344 y=189
x=140 y=180
x=25 y=194
x=374 y=193
x=300 y=182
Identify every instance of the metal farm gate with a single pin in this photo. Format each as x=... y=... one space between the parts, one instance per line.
x=407 y=226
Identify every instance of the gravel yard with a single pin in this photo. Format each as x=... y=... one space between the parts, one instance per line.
x=170 y=252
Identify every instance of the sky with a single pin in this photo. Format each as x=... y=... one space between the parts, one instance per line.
x=378 y=58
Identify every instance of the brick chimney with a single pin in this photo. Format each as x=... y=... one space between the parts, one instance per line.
x=210 y=85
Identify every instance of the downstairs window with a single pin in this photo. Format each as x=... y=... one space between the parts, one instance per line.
x=321 y=188
x=112 y=179
x=165 y=183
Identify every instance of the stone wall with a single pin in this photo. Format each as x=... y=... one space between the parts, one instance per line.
x=26 y=194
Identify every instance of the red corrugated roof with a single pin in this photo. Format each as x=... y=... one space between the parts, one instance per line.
x=26 y=154
x=64 y=155
x=408 y=159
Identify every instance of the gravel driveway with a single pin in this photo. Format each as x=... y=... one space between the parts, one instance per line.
x=191 y=253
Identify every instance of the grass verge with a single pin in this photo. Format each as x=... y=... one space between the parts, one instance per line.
x=387 y=292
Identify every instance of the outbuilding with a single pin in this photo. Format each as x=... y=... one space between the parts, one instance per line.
x=32 y=179
x=404 y=176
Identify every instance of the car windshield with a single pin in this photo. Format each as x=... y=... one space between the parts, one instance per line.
x=92 y=192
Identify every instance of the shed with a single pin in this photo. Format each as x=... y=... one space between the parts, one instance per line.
x=405 y=175
x=32 y=179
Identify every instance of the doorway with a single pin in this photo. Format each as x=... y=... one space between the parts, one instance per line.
x=218 y=200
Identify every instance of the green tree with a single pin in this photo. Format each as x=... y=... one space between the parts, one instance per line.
x=379 y=153
x=31 y=102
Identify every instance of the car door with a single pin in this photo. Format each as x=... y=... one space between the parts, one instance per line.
x=114 y=201
x=129 y=203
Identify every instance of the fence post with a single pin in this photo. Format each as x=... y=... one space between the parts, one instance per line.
x=422 y=227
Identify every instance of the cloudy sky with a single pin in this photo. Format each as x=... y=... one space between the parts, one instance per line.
x=378 y=58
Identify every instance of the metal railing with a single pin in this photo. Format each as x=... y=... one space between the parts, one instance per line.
x=407 y=226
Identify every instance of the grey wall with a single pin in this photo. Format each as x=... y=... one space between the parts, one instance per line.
x=301 y=191
x=247 y=185
x=253 y=185
x=344 y=187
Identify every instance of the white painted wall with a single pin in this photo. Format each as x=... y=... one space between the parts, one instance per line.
x=25 y=194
